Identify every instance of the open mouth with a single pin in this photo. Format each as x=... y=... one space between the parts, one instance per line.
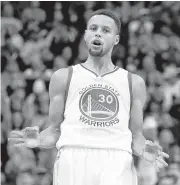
x=97 y=43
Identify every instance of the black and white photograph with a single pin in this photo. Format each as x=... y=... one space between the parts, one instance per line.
x=90 y=92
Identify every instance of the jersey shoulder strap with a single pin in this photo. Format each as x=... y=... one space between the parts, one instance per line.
x=70 y=71
x=130 y=88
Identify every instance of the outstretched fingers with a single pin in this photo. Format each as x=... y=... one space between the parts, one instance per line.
x=20 y=145
x=15 y=140
x=155 y=146
x=16 y=134
x=160 y=160
x=163 y=154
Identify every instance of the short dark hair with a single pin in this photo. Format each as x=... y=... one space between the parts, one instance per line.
x=109 y=14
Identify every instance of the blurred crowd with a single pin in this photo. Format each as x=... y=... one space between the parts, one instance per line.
x=37 y=38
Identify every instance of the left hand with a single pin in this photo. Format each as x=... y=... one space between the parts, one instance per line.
x=153 y=153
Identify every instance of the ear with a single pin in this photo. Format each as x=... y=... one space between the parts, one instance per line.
x=116 y=41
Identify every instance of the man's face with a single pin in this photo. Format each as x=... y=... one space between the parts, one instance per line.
x=101 y=35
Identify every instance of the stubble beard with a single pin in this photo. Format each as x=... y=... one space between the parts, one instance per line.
x=96 y=53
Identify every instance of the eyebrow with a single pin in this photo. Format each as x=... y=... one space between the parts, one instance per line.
x=102 y=26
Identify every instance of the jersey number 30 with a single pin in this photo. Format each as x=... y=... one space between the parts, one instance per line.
x=108 y=99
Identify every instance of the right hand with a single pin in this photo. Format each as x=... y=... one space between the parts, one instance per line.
x=28 y=137
x=153 y=154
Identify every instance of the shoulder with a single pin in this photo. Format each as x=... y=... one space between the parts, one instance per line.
x=137 y=81
x=122 y=70
x=58 y=81
x=138 y=88
x=59 y=74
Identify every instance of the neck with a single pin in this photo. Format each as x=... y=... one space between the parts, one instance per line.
x=99 y=65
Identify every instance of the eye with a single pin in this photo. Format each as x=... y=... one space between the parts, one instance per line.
x=106 y=31
x=93 y=28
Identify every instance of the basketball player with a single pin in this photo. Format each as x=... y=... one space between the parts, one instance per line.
x=96 y=116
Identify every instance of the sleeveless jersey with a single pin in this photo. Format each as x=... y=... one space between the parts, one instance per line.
x=97 y=110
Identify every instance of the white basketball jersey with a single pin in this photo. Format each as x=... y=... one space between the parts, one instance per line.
x=97 y=110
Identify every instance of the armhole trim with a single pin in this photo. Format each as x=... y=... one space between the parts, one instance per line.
x=130 y=89
x=70 y=71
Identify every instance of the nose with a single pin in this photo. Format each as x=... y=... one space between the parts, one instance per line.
x=98 y=33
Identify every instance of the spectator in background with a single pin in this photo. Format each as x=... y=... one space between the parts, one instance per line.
x=58 y=16
x=166 y=138
x=9 y=24
x=36 y=105
x=25 y=179
x=34 y=12
x=171 y=86
x=143 y=25
x=59 y=62
x=174 y=170
x=175 y=153
x=17 y=121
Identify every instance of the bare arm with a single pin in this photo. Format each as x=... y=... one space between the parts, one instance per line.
x=140 y=145
x=136 y=116
x=57 y=87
